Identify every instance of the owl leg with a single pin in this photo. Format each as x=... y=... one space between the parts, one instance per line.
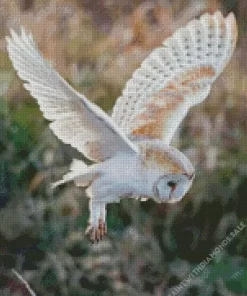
x=102 y=220
x=97 y=227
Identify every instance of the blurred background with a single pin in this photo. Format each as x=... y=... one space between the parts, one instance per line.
x=151 y=248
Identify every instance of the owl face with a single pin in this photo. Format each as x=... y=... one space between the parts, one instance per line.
x=171 y=188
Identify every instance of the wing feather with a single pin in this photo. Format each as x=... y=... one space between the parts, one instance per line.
x=175 y=77
x=75 y=120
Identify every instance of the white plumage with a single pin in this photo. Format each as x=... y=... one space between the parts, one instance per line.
x=75 y=120
x=132 y=148
x=204 y=43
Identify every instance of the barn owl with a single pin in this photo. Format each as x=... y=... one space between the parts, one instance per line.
x=130 y=150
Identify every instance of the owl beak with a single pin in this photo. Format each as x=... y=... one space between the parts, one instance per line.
x=173 y=187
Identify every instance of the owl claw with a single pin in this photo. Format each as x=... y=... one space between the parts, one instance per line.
x=102 y=227
x=96 y=234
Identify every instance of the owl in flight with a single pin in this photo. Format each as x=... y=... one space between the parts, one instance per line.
x=131 y=149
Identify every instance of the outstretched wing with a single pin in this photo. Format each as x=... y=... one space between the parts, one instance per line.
x=175 y=77
x=75 y=120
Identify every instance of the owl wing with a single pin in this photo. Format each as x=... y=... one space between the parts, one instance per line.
x=175 y=77
x=75 y=120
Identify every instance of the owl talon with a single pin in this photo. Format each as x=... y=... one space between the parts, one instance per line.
x=102 y=228
x=96 y=234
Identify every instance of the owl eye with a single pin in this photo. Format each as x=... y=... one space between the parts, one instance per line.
x=171 y=184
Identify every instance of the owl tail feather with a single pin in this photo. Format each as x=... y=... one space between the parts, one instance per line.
x=80 y=173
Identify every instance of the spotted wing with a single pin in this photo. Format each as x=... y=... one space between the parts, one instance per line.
x=175 y=77
x=75 y=120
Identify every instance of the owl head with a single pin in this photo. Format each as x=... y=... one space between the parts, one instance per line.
x=174 y=172
x=171 y=188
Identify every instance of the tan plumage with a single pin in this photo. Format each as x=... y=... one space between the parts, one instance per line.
x=176 y=77
x=132 y=148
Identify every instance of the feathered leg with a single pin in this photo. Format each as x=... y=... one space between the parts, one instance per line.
x=97 y=226
x=102 y=220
